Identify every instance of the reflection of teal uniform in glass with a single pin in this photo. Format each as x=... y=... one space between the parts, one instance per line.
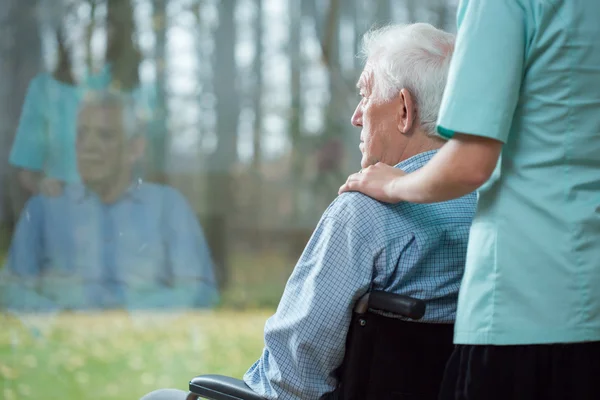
x=527 y=73
x=45 y=139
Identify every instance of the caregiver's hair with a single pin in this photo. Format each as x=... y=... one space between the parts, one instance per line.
x=416 y=57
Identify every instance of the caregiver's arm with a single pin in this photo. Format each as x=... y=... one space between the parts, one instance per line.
x=460 y=167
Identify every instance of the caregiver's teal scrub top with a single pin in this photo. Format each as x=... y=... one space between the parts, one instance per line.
x=527 y=73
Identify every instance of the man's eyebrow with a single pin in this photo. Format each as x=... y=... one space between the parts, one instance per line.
x=360 y=83
x=363 y=82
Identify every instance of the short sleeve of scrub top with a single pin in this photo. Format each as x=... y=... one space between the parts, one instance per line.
x=45 y=138
x=29 y=147
x=486 y=71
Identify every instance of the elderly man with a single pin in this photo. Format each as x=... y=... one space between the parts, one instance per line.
x=113 y=242
x=361 y=244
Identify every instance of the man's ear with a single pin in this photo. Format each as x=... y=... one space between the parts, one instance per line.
x=137 y=148
x=406 y=111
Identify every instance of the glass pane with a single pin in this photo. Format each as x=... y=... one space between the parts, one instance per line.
x=163 y=164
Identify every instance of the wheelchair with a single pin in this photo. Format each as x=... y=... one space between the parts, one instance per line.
x=388 y=357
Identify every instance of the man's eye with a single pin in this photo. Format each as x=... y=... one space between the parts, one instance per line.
x=83 y=134
x=106 y=135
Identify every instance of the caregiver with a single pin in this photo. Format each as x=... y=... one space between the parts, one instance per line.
x=522 y=114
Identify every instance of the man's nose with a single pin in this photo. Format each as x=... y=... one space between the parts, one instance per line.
x=357 y=116
x=88 y=142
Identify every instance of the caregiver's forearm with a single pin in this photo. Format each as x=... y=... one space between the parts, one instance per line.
x=460 y=167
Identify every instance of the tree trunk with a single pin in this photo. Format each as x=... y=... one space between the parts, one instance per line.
x=257 y=94
x=295 y=13
x=411 y=10
x=441 y=11
x=158 y=143
x=121 y=49
x=384 y=16
x=350 y=134
x=258 y=88
x=20 y=61
x=89 y=32
x=219 y=194
x=330 y=151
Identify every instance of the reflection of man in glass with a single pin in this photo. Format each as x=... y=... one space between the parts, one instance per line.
x=111 y=241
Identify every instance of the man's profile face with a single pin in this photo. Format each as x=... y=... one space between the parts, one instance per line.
x=101 y=142
x=380 y=138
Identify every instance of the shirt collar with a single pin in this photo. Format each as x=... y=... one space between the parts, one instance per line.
x=99 y=80
x=80 y=192
x=415 y=162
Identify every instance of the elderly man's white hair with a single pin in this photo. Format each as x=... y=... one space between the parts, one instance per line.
x=416 y=57
x=130 y=113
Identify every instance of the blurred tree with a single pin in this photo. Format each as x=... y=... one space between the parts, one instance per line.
x=20 y=61
x=258 y=88
x=257 y=105
x=359 y=27
x=411 y=10
x=295 y=128
x=384 y=13
x=219 y=194
x=441 y=10
x=122 y=52
x=225 y=81
x=156 y=154
x=331 y=40
x=89 y=33
x=123 y=55
x=331 y=150
x=63 y=72
x=349 y=140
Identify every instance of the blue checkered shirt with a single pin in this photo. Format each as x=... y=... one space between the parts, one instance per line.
x=359 y=245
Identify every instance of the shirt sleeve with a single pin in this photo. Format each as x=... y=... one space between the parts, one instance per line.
x=29 y=147
x=305 y=339
x=485 y=74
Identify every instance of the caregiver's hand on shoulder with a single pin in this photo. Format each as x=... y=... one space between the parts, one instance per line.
x=376 y=181
x=51 y=187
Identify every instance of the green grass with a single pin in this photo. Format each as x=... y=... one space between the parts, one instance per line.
x=257 y=281
x=114 y=355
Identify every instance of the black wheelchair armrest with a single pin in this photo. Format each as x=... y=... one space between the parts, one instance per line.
x=219 y=387
x=399 y=304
